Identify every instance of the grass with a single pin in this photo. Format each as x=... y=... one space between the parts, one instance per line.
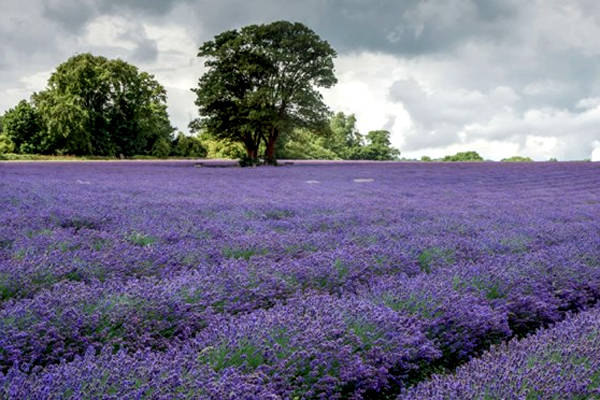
x=434 y=255
x=7 y=290
x=223 y=356
x=139 y=239
x=240 y=253
x=62 y=158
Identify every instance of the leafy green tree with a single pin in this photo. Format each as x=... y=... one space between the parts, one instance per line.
x=303 y=144
x=220 y=148
x=426 y=159
x=188 y=146
x=378 y=147
x=223 y=149
x=517 y=159
x=227 y=94
x=6 y=145
x=161 y=148
x=340 y=140
x=93 y=105
x=23 y=126
x=380 y=141
x=345 y=138
x=464 y=156
x=262 y=81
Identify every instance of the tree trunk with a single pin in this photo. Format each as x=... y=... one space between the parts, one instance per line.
x=251 y=153
x=270 y=148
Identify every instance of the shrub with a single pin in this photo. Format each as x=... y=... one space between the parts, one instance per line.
x=464 y=156
x=6 y=145
x=517 y=159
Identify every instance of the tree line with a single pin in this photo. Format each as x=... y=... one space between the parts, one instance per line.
x=91 y=106
x=259 y=100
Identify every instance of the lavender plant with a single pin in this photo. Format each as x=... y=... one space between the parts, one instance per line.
x=160 y=280
x=558 y=363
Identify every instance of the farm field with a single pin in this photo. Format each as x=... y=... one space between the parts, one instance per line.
x=332 y=281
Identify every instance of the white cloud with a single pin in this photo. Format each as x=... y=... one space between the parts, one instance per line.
x=177 y=68
x=364 y=82
x=108 y=31
x=588 y=103
x=545 y=87
x=36 y=81
x=595 y=156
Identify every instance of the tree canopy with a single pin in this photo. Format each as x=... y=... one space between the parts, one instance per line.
x=340 y=140
x=378 y=147
x=22 y=125
x=345 y=137
x=92 y=106
x=464 y=156
x=517 y=159
x=6 y=145
x=261 y=82
x=188 y=146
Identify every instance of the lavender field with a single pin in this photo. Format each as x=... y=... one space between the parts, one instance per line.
x=159 y=280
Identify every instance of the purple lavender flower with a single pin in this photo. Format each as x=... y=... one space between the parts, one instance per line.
x=160 y=280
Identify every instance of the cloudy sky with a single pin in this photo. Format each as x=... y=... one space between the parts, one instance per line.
x=499 y=77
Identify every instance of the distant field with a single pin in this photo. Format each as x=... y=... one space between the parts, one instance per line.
x=319 y=281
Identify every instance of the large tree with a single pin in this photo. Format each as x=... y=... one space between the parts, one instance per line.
x=22 y=124
x=345 y=137
x=378 y=147
x=262 y=80
x=93 y=105
x=464 y=156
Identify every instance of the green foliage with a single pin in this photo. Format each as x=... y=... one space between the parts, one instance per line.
x=244 y=354
x=517 y=159
x=426 y=159
x=6 y=145
x=368 y=333
x=378 y=147
x=93 y=105
x=242 y=253
x=261 y=81
x=22 y=125
x=340 y=141
x=303 y=144
x=161 y=148
x=220 y=148
x=7 y=289
x=464 y=156
x=139 y=239
x=432 y=256
x=46 y=157
x=247 y=161
x=344 y=137
x=188 y=146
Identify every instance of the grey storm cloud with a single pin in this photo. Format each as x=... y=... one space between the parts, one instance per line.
x=474 y=69
x=399 y=27
x=73 y=15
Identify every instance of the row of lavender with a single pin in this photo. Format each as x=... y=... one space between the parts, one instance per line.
x=562 y=362
x=558 y=363
x=288 y=288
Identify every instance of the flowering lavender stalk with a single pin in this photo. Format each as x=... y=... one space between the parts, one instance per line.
x=562 y=362
x=220 y=282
